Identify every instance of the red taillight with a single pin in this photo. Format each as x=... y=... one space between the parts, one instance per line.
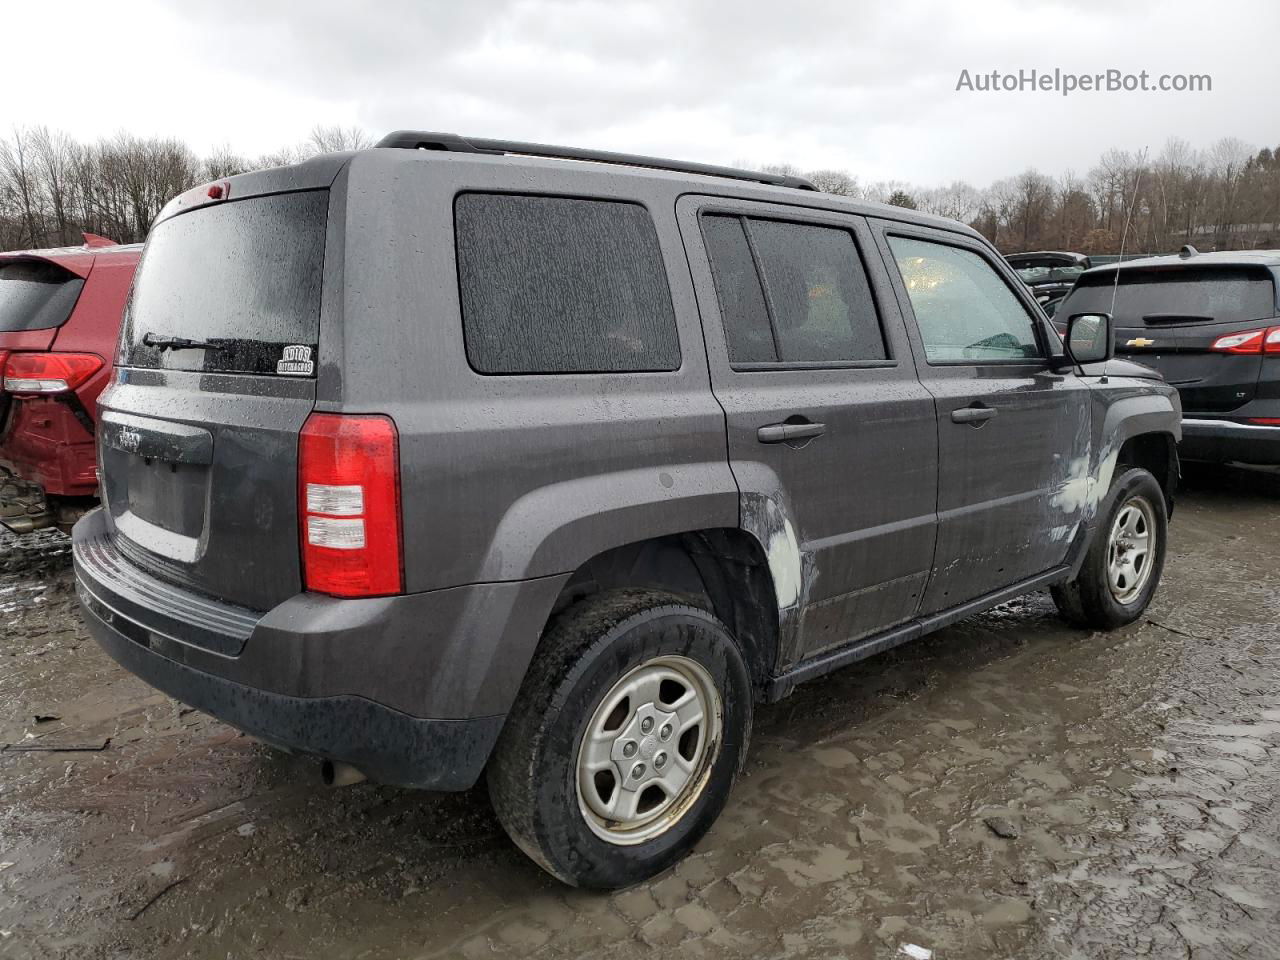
x=48 y=372
x=349 y=505
x=1249 y=341
x=1266 y=421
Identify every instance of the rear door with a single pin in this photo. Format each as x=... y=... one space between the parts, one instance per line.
x=1170 y=316
x=831 y=437
x=198 y=437
x=1013 y=436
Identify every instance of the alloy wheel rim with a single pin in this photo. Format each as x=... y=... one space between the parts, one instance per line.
x=1131 y=549
x=648 y=750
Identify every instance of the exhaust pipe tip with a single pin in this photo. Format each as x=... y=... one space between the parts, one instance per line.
x=337 y=774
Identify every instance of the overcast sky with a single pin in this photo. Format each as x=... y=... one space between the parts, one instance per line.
x=869 y=88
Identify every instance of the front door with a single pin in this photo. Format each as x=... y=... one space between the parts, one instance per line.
x=831 y=437
x=1013 y=435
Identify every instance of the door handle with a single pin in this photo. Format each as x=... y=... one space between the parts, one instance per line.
x=973 y=415
x=786 y=432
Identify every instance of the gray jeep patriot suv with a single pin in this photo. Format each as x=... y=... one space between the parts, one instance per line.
x=453 y=457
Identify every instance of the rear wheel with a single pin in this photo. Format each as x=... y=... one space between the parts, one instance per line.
x=1123 y=566
x=625 y=738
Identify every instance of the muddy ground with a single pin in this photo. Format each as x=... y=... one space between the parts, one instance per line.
x=1010 y=787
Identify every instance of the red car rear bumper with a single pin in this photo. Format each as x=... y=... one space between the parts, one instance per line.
x=45 y=442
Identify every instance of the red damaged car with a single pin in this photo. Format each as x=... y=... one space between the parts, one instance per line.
x=59 y=319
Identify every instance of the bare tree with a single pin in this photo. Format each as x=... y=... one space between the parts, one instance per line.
x=53 y=187
x=835 y=181
x=337 y=139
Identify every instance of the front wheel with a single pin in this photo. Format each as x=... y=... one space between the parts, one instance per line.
x=1122 y=568
x=624 y=740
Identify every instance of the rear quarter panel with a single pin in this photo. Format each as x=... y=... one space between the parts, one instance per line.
x=94 y=324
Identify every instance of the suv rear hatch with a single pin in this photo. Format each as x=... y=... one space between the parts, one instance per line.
x=1169 y=317
x=198 y=437
x=36 y=298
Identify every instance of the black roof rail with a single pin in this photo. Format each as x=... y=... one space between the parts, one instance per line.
x=451 y=142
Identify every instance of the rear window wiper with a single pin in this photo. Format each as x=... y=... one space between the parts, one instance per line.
x=180 y=343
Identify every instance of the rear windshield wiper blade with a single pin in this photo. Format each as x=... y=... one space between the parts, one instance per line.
x=180 y=343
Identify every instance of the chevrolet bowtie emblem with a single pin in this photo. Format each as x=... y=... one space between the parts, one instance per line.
x=1140 y=342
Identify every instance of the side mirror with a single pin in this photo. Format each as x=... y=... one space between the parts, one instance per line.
x=1089 y=338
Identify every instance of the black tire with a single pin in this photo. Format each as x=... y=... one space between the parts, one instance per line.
x=1088 y=601
x=532 y=775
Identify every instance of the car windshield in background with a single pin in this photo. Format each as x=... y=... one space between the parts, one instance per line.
x=36 y=295
x=231 y=288
x=1187 y=295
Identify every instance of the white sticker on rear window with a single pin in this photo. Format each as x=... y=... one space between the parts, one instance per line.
x=296 y=362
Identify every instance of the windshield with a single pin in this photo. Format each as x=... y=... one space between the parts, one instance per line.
x=1191 y=295
x=231 y=288
x=36 y=295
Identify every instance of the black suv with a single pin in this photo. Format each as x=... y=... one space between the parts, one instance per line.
x=1210 y=322
x=452 y=456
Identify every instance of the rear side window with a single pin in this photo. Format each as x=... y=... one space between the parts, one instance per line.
x=742 y=306
x=560 y=285
x=809 y=301
x=1182 y=295
x=242 y=277
x=36 y=295
x=964 y=310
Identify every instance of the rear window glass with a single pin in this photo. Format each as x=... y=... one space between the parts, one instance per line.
x=240 y=279
x=1192 y=295
x=36 y=295
x=559 y=285
x=815 y=304
x=819 y=294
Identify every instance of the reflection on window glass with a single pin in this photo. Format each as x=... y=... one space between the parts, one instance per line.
x=963 y=308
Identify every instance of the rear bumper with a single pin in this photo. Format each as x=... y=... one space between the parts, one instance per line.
x=386 y=745
x=46 y=444
x=1223 y=440
x=411 y=690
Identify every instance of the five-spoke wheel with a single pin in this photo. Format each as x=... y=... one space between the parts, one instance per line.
x=1130 y=547
x=646 y=751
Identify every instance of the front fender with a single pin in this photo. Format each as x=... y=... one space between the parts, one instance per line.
x=1124 y=409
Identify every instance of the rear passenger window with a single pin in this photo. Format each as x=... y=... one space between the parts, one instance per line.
x=814 y=304
x=558 y=285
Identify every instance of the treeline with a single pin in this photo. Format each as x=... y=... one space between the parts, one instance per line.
x=1224 y=197
x=53 y=187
